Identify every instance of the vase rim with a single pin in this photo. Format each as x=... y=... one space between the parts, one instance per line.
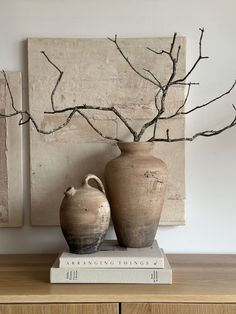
x=134 y=143
x=135 y=146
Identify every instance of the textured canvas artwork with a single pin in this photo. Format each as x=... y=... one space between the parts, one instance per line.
x=95 y=74
x=11 y=189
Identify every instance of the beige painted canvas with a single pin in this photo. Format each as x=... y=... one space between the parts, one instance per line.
x=95 y=74
x=11 y=179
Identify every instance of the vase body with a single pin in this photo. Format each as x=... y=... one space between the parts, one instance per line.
x=136 y=183
x=85 y=217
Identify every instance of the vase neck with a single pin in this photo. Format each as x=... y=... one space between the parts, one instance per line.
x=141 y=148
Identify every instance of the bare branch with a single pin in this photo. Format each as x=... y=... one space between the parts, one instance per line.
x=197 y=107
x=155 y=128
x=52 y=63
x=173 y=43
x=72 y=110
x=9 y=115
x=155 y=119
x=158 y=52
x=200 y=42
x=95 y=129
x=178 y=110
x=185 y=100
x=157 y=116
x=67 y=121
x=168 y=53
x=77 y=108
x=160 y=103
x=211 y=101
x=200 y=57
x=156 y=96
x=147 y=125
x=59 y=127
x=155 y=78
x=167 y=135
x=199 y=134
x=178 y=53
x=173 y=60
x=89 y=107
x=30 y=118
x=9 y=90
x=58 y=79
x=130 y=64
x=187 y=83
x=164 y=88
x=125 y=122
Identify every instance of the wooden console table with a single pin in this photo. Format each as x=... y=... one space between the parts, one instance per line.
x=202 y=284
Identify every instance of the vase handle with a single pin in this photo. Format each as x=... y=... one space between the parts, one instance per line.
x=98 y=181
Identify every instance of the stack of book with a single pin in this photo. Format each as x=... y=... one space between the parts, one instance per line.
x=113 y=264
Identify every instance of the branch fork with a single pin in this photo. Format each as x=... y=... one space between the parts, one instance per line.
x=162 y=90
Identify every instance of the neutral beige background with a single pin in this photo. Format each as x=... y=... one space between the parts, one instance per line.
x=95 y=74
x=210 y=163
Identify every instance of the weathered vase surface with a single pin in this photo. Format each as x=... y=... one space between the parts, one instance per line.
x=136 y=183
x=85 y=216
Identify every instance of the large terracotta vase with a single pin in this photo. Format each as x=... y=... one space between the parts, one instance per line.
x=136 y=184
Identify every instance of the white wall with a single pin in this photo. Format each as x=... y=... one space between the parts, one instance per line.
x=210 y=163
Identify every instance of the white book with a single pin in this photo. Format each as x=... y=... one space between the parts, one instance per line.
x=112 y=275
x=111 y=255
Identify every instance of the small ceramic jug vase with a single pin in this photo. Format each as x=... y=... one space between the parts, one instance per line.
x=85 y=216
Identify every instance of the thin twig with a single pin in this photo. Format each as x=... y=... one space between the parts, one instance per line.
x=168 y=135
x=58 y=79
x=155 y=100
x=173 y=43
x=67 y=121
x=89 y=107
x=59 y=127
x=83 y=106
x=147 y=125
x=177 y=113
x=158 y=52
x=9 y=90
x=178 y=53
x=155 y=128
x=211 y=101
x=181 y=107
x=95 y=129
x=8 y=115
x=187 y=83
x=130 y=64
x=26 y=117
x=200 y=57
x=155 y=78
x=199 y=134
x=165 y=88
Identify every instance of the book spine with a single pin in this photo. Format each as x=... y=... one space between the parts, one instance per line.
x=112 y=263
x=135 y=276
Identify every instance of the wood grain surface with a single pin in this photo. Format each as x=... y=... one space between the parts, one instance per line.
x=196 y=279
x=152 y=308
x=59 y=309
